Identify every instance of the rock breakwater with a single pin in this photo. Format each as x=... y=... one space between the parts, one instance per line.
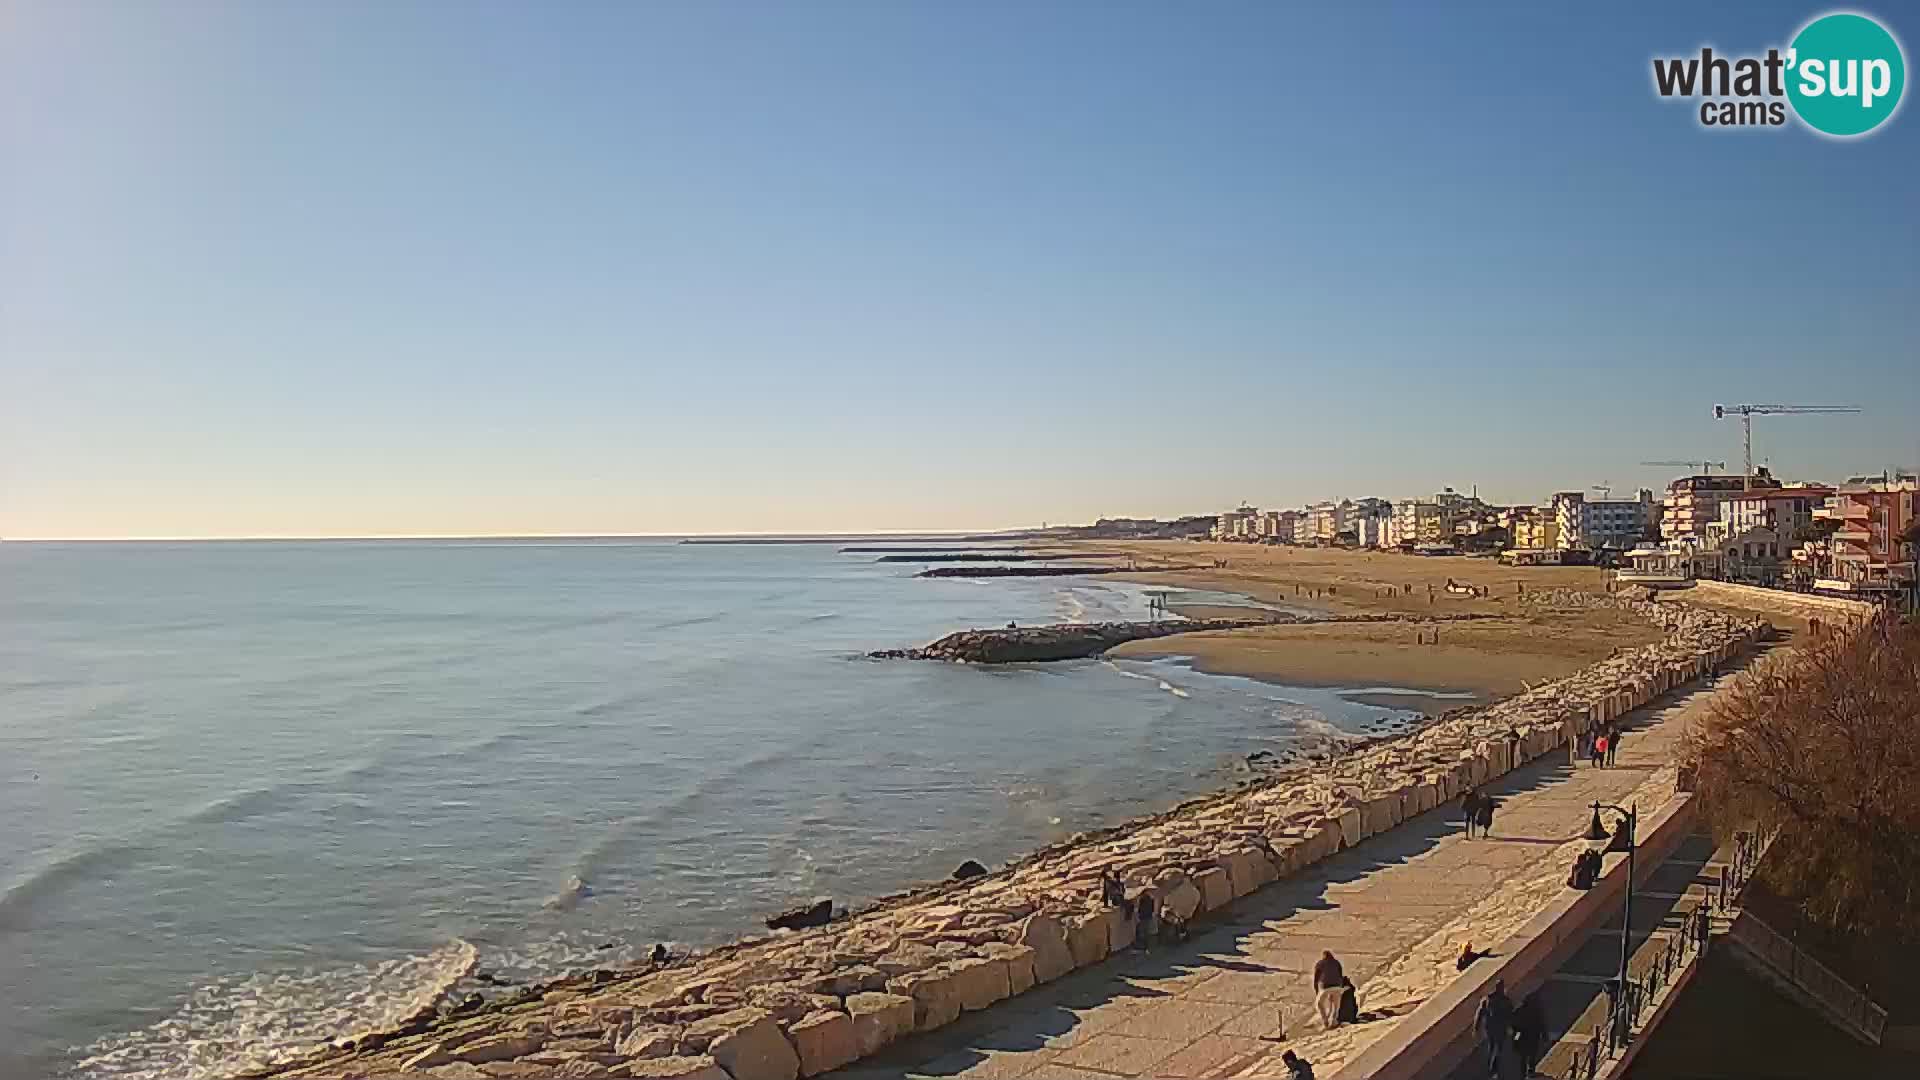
x=806 y=1002
x=1074 y=641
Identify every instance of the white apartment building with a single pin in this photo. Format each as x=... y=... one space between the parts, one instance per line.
x=1786 y=510
x=1694 y=501
x=1596 y=523
x=1241 y=524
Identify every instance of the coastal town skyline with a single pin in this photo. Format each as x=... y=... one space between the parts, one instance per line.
x=324 y=271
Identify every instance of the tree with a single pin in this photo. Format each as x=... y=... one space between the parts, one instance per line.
x=1815 y=530
x=1823 y=743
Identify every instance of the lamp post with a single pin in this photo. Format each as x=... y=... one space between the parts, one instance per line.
x=1621 y=839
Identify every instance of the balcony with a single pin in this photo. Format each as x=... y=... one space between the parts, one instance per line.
x=1853 y=535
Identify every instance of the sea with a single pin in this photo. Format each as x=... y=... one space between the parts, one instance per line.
x=255 y=796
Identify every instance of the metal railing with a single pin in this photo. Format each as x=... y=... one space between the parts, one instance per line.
x=1812 y=977
x=1742 y=862
x=1626 y=1004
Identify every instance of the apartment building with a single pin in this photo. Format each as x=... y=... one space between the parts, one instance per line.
x=1277 y=524
x=1536 y=530
x=1872 y=551
x=1694 y=501
x=1240 y=524
x=1419 y=522
x=1786 y=510
x=1602 y=523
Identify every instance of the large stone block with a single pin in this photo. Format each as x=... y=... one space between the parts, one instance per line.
x=1249 y=868
x=979 y=981
x=1379 y=814
x=879 y=1019
x=936 y=1002
x=648 y=1041
x=1019 y=961
x=825 y=1041
x=1047 y=938
x=1350 y=825
x=1087 y=937
x=1181 y=900
x=1216 y=887
x=698 y=1067
x=755 y=1049
x=1120 y=931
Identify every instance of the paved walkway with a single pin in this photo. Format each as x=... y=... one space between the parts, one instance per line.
x=1214 y=1005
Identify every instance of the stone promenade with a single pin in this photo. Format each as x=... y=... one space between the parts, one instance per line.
x=1395 y=909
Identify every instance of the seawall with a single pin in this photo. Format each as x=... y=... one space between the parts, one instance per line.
x=810 y=1001
x=1826 y=609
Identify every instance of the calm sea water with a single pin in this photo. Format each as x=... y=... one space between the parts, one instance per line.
x=254 y=795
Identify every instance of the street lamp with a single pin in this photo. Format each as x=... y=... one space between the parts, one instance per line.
x=1621 y=839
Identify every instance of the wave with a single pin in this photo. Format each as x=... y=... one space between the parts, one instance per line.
x=239 y=1025
x=241 y=805
x=596 y=856
x=21 y=897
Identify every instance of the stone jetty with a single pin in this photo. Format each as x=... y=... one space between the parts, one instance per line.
x=1074 y=641
x=994 y=556
x=804 y=1002
x=1037 y=570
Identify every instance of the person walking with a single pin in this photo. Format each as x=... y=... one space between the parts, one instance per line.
x=1143 y=928
x=1494 y=1022
x=1486 y=816
x=1613 y=747
x=1470 y=809
x=1600 y=749
x=1529 y=1031
x=1327 y=972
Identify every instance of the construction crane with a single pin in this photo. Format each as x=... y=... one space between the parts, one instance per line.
x=1706 y=466
x=1748 y=412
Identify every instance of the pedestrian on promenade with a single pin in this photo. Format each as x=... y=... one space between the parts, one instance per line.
x=1112 y=893
x=1600 y=749
x=1297 y=1067
x=1529 y=1031
x=1513 y=747
x=1143 y=926
x=1486 y=816
x=1349 y=1008
x=1613 y=746
x=1327 y=1004
x=1327 y=971
x=1494 y=1022
x=1470 y=809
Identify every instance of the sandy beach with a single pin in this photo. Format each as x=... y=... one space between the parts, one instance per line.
x=1489 y=658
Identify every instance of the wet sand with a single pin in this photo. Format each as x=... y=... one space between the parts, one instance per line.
x=1488 y=658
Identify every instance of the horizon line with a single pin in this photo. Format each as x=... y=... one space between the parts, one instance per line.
x=296 y=538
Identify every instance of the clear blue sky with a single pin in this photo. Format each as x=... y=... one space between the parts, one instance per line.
x=434 y=268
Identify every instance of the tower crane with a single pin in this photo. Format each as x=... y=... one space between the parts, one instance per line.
x=1707 y=466
x=1746 y=413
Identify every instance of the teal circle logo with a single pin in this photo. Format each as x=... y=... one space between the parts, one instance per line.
x=1845 y=73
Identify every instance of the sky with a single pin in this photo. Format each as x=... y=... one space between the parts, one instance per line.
x=439 y=268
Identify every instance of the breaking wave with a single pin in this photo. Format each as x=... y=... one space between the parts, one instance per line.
x=237 y=1025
